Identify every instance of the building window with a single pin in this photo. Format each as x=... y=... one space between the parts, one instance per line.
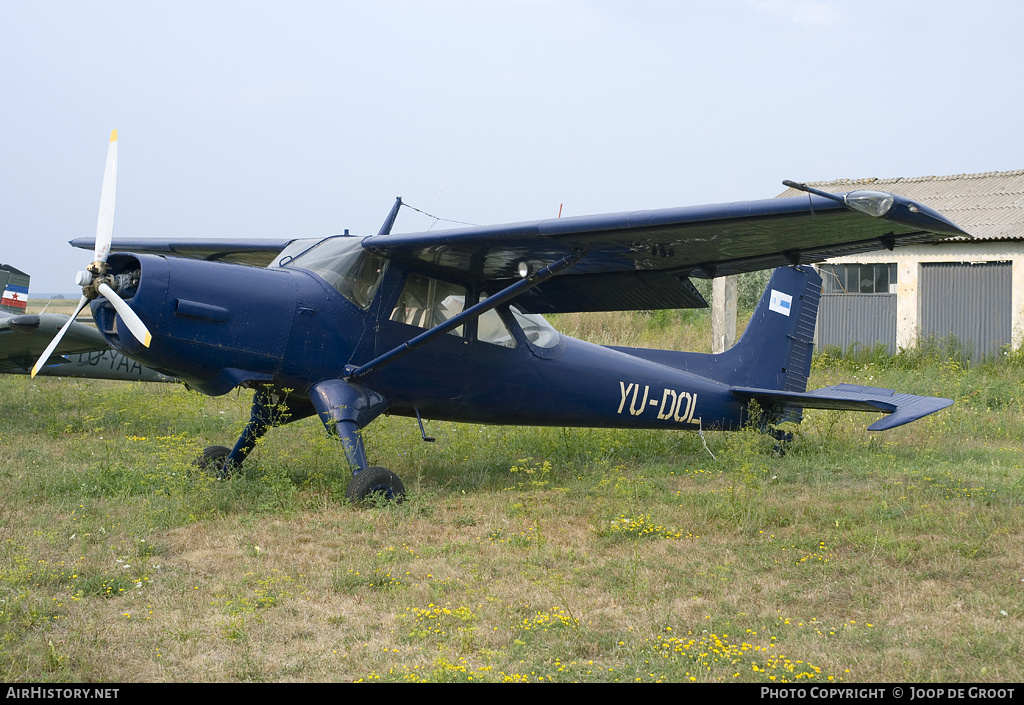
x=858 y=278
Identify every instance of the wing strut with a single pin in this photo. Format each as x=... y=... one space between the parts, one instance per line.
x=491 y=302
x=389 y=222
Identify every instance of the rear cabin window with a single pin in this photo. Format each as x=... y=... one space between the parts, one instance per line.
x=538 y=331
x=490 y=328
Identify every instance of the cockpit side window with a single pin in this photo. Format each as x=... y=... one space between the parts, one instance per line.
x=427 y=302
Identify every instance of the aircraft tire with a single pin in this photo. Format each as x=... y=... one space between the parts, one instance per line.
x=213 y=459
x=374 y=480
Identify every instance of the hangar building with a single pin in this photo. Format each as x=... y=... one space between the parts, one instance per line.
x=971 y=289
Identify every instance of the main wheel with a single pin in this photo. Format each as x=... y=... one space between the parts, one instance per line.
x=375 y=481
x=214 y=459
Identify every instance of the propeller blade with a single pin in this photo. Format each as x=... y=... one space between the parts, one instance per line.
x=105 y=221
x=57 y=338
x=134 y=323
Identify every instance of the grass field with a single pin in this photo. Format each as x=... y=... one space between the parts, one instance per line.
x=520 y=554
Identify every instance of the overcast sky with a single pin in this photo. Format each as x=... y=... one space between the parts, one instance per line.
x=304 y=118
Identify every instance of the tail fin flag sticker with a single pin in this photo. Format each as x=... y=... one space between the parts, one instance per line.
x=780 y=303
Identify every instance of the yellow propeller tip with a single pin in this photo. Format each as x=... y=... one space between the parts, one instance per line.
x=148 y=340
x=113 y=136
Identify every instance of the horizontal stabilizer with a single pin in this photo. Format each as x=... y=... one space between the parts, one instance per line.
x=901 y=408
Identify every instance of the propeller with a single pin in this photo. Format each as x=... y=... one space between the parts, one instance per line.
x=95 y=281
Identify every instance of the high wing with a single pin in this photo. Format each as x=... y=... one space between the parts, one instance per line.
x=631 y=261
x=643 y=260
x=255 y=252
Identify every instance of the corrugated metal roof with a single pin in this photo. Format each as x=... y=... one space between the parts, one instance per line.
x=990 y=206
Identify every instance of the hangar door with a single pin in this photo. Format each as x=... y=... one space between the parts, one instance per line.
x=858 y=306
x=971 y=301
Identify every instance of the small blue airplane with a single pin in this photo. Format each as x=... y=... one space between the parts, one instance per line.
x=448 y=324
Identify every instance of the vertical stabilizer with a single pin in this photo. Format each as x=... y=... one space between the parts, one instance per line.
x=14 y=283
x=775 y=349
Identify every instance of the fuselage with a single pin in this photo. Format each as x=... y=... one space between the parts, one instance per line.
x=216 y=326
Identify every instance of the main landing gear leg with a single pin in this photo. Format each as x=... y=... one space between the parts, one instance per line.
x=267 y=412
x=346 y=408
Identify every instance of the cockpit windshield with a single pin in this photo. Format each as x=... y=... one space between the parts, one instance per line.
x=344 y=264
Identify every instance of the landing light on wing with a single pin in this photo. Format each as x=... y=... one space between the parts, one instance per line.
x=874 y=203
